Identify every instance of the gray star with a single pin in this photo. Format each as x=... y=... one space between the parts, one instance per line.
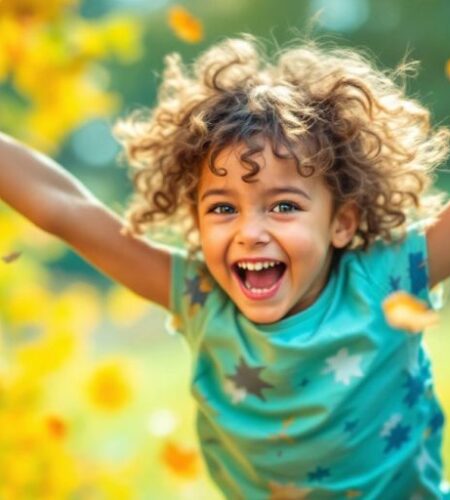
x=248 y=378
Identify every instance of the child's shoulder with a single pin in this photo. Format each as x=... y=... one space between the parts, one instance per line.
x=401 y=264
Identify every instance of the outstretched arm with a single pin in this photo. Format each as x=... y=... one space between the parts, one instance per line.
x=438 y=241
x=58 y=203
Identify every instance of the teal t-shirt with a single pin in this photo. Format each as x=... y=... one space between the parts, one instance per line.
x=329 y=403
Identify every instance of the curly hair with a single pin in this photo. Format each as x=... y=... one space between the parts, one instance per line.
x=372 y=144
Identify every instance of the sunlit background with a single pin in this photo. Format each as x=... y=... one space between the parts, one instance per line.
x=94 y=393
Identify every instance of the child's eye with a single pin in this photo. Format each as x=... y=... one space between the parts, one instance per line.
x=221 y=208
x=286 y=206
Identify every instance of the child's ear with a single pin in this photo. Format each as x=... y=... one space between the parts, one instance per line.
x=345 y=224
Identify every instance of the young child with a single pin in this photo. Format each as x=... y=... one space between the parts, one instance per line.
x=301 y=186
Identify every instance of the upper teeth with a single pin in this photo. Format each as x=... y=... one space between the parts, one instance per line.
x=257 y=266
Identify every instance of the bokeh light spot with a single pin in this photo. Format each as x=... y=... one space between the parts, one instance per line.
x=341 y=15
x=162 y=422
x=94 y=145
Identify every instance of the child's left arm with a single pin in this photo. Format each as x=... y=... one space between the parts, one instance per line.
x=438 y=242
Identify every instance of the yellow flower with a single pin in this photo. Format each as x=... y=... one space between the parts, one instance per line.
x=123 y=36
x=185 y=25
x=109 y=387
x=35 y=10
x=28 y=304
x=54 y=112
x=406 y=312
x=46 y=354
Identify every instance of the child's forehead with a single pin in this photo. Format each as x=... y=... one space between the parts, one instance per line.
x=232 y=166
x=237 y=160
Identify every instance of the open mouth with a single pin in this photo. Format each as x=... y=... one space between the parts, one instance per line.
x=262 y=281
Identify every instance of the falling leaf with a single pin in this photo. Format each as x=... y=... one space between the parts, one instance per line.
x=406 y=312
x=447 y=69
x=185 y=25
x=56 y=426
x=11 y=257
x=287 y=491
x=184 y=463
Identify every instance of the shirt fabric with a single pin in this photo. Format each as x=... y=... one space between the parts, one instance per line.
x=329 y=403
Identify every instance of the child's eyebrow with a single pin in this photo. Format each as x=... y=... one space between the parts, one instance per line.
x=271 y=192
x=288 y=189
x=212 y=192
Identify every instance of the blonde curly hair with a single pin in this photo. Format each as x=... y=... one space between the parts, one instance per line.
x=372 y=144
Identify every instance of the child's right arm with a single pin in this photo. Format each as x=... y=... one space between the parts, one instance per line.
x=58 y=203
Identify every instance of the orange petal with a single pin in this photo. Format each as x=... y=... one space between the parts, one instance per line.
x=406 y=312
x=182 y=462
x=56 y=426
x=185 y=25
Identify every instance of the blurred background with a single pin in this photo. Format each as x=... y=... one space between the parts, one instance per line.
x=94 y=391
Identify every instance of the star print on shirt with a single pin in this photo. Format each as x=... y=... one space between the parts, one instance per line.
x=248 y=379
x=319 y=474
x=436 y=422
x=287 y=491
x=303 y=382
x=390 y=424
x=395 y=433
x=282 y=435
x=350 y=426
x=422 y=460
x=195 y=291
x=394 y=283
x=344 y=366
x=415 y=386
x=417 y=272
x=237 y=394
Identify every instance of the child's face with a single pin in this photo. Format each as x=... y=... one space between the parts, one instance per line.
x=249 y=221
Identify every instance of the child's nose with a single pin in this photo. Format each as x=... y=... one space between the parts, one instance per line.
x=252 y=230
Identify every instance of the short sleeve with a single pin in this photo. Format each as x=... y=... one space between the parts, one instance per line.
x=402 y=265
x=190 y=287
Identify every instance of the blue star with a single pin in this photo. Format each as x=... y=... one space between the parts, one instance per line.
x=304 y=382
x=394 y=282
x=193 y=289
x=319 y=474
x=397 y=437
x=350 y=425
x=415 y=386
x=417 y=272
x=436 y=421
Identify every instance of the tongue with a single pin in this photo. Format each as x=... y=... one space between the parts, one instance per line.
x=264 y=278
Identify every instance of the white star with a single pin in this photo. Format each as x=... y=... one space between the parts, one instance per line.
x=392 y=422
x=344 y=366
x=237 y=393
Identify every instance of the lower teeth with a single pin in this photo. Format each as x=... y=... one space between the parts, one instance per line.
x=256 y=290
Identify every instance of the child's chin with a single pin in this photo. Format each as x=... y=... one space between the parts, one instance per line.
x=262 y=317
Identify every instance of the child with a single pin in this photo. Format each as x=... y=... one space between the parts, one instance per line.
x=301 y=179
